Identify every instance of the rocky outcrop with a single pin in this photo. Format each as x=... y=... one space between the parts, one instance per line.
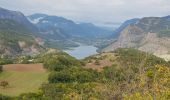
x=143 y=35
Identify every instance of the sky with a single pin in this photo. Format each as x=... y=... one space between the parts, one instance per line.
x=110 y=12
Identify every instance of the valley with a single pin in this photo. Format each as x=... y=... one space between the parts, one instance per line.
x=50 y=57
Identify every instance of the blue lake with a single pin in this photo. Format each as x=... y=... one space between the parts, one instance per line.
x=82 y=51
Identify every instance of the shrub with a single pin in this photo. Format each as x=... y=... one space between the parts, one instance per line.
x=97 y=62
x=30 y=96
x=150 y=73
x=61 y=62
x=74 y=74
x=5 y=61
x=69 y=91
x=53 y=65
x=64 y=77
x=1 y=68
x=2 y=97
x=4 y=84
x=114 y=73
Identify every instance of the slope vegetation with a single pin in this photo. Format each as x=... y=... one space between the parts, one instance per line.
x=126 y=74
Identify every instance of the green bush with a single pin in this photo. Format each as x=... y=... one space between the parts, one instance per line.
x=132 y=57
x=4 y=84
x=74 y=74
x=54 y=65
x=1 y=68
x=67 y=91
x=64 y=77
x=114 y=73
x=30 y=96
x=5 y=61
x=2 y=97
x=60 y=62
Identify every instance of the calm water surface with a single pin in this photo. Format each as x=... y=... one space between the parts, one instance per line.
x=82 y=51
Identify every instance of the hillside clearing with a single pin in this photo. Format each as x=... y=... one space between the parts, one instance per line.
x=103 y=60
x=22 y=78
x=24 y=67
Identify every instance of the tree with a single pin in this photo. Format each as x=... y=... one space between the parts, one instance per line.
x=4 y=84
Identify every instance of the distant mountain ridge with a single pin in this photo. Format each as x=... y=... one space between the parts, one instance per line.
x=28 y=35
x=69 y=27
x=150 y=34
x=116 y=33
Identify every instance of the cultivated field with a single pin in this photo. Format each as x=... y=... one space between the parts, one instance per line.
x=22 y=78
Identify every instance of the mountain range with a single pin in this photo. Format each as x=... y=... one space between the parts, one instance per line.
x=59 y=32
x=20 y=34
x=65 y=28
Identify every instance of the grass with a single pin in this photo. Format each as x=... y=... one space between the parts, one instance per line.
x=22 y=82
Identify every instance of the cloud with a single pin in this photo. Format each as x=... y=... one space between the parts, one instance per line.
x=96 y=11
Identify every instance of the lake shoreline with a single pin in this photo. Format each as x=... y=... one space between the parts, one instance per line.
x=82 y=51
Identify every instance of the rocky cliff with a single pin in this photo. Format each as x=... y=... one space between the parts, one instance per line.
x=150 y=34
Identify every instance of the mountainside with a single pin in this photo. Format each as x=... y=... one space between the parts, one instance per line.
x=150 y=34
x=16 y=34
x=61 y=33
x=16 y=16
x=116 y=33
x=65 y=27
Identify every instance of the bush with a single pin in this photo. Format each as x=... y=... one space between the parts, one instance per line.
x=2 y=97
x=53 y=65
x=1 y=68
x=114 y=73
x=69 y=91
x=132 y=57
x=5 y=61
x=61 y=62
x=74 y=74
x=30 y=96
x=57 y=77
x=4 y=84
x=97 y=62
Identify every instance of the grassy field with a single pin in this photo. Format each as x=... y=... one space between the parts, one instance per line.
x=22 y=81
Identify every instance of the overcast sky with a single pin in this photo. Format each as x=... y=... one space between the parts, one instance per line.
x=96 y=11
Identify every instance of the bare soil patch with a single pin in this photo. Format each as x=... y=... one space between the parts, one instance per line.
x=106 y=61
x=103 y=63
x=24 y=67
